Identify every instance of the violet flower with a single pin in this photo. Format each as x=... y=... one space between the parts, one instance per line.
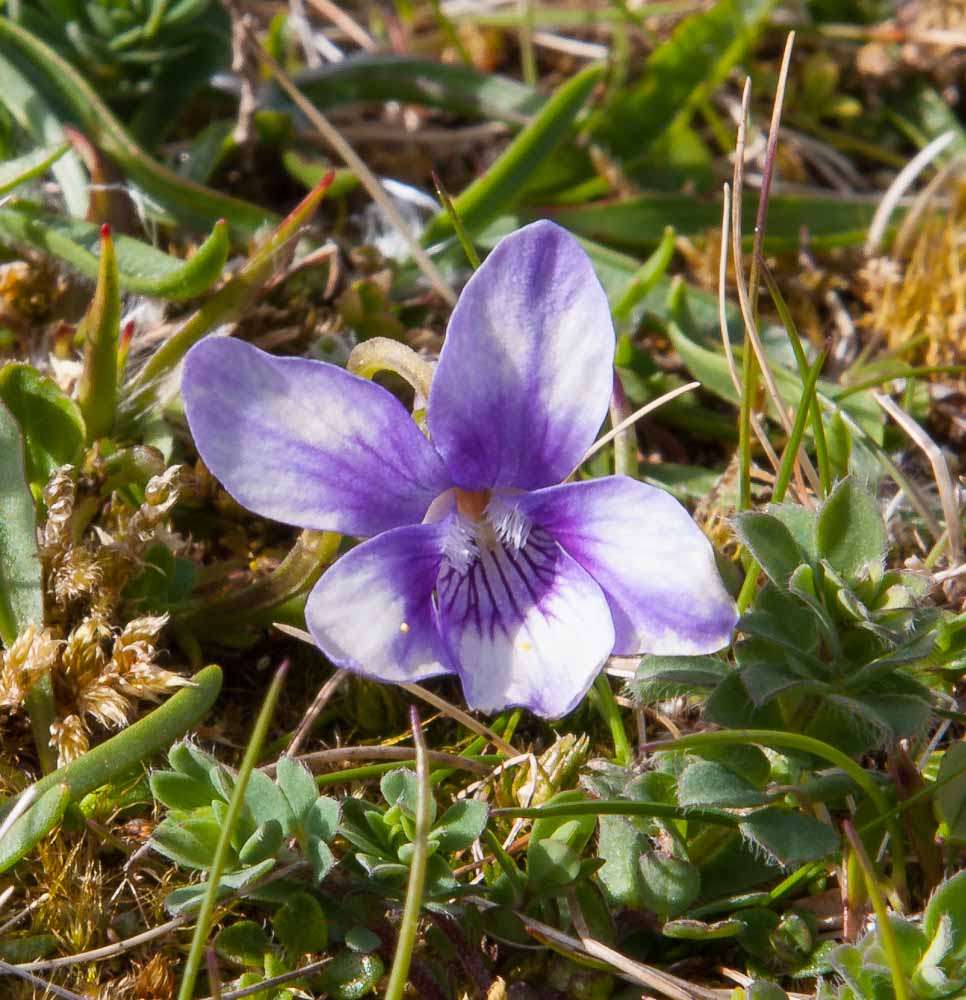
x=477 y=562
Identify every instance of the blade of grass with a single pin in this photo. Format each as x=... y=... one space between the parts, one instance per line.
x=818 y=424
x=465 y=242
x=406 y=939
x=203 y=923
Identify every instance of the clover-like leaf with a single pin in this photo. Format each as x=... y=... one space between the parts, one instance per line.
x=180 y=791
x=300 y=925
x=709 y=783
x=190 y=842
x=789 y=838
x=669 y=885
x=551 y=865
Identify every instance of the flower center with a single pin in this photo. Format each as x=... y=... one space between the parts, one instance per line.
x=472 y=504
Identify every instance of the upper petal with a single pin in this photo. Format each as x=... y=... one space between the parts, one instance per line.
x=305 y=442
x=526 y=369
x=526 y=627
x=653 y=562
x=373 y=610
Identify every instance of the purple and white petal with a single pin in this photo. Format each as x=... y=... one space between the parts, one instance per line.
x=524 y=627
x=373 y=611
x=651 y=560
x=305 y=442
x=526 y=369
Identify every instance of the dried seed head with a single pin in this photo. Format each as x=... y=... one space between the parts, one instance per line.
x=32 y=654
x=69 y=737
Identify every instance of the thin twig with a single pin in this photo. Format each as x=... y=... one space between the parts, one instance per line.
x=768 y=172
x=326 y=692
x=267 y=984
x=635 y=416
x=49 y=988
x=343 y=755
x=747 y=312
x=356 y=164
x=940 y=469
x=428 y=696
x=903 y=181
x=335 y=13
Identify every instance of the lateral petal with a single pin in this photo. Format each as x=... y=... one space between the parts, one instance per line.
x=305 y=442
x=373 y=611
x=652 y=561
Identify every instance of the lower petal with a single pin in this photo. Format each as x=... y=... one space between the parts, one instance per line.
x=524 y=627
x=651 y=560
x=373 y=611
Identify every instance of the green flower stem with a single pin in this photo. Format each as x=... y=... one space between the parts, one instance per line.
x=611 y=714
x=796 y=741
x=369 y=771
x=97 y=391
x=203 y=923
x=379 y=354
x=784 y=477
x=136 y=744
x=619 y=807
x=406 y=940
x=312 y=552
x=883 y=926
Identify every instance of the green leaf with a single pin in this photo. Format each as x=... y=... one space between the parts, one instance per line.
x=400 y=788
x=949 y=902
x=27 y=106
x=501 y=186
x=33 y=826
x=97 y=388
x=698 y=930
x=50 y=421
x=760 y=989
x=350 y=976
x=244 y=943
x=190 y=842
x=322 y=819
x=180 y=791
x=13 y=173
x=454 y=87
x=141 y=268
x=950 y=797
x=636 y=224
x=661 y=677
x=789 y=838
x=300 y=925
x=708 y=783
x=682 y=71
x=318 y=853
x=264 y=843
x=750 y=762
x=460 y=825
x=298 y=786
x=265 y=801
x=21 y=585
x=551 y=865
x=60 y=87
x=619 y=845
x=669 y=885
x=800 y=522
x=850 y=533
x=188 y=899
x=771 y=543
